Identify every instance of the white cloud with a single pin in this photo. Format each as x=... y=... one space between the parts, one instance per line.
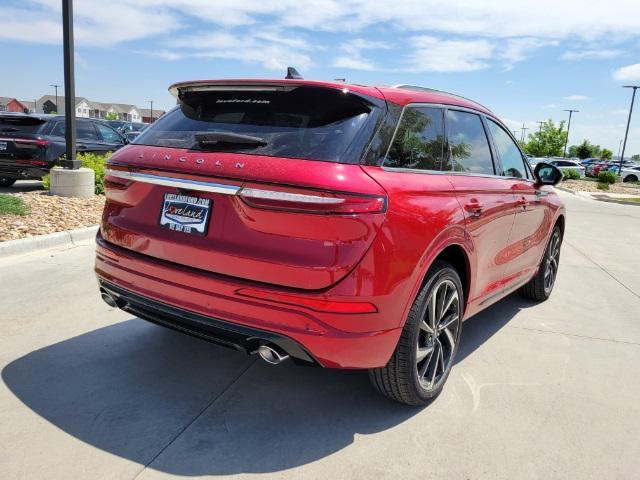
x=353 y=58
x=576 y=98
x=430 y=54
x=463 y=35
x=628 y=73
x=592 y=54
x=517 y=49
x=550 y=106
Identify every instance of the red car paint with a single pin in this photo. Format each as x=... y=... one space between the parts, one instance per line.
x=338 y=284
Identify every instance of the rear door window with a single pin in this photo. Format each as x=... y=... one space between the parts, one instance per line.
x=509 y=153
x=419 y=140
x=296 y=122
x=467 y=144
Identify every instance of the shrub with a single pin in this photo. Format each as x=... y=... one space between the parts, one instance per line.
x=46 y=182
x=12 y=205
x=607 y=177
x=602 y=186
x=97 y=164
x=570 y=174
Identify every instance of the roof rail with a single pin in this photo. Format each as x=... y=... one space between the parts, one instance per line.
x=418 y=88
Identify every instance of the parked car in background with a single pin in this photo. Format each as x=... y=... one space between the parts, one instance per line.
x=31 y=144
x=569 y=164
x=340 y=225
x=630 y=173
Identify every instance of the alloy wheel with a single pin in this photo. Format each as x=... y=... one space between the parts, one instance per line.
x=438 y=334
x=551 y=262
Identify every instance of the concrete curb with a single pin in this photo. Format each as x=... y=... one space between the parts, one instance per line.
x=42 y=242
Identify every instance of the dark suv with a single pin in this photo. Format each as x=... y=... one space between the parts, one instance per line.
x=31 y=144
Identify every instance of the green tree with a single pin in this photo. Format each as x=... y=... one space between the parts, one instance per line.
x=636 y=157
x=111 y=116
x=606 y=154
x=585 y=150
x=548 y=141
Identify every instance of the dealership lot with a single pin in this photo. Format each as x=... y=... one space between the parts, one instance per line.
x=546 y=390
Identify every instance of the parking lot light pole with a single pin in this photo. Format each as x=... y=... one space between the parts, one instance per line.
x=69 y=87
x=56 y=88
x=151 y=115
x=626 y=133
x=564 y=153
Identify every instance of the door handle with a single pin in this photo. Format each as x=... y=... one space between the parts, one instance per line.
x=474 y=208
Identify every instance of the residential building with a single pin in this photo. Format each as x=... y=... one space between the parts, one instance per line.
x=8 y=104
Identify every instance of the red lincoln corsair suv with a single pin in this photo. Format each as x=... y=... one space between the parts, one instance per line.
x=339 y=225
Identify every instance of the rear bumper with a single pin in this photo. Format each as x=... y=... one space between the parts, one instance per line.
x=207 y=306
x=10 y=168
x=214 y=330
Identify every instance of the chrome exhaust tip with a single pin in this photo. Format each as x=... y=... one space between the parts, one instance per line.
x=272 y=354
x=109 y=300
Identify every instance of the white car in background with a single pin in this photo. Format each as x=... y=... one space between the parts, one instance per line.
x=630 y=173
x=570 y=165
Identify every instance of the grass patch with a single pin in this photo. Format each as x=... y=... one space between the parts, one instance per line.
x=10 y=205
x=632 y=199
x=603 y=186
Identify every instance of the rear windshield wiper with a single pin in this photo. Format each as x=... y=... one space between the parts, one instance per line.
x=224 y=140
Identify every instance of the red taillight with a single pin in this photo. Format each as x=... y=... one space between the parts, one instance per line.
x=317 y=305
x=31 y=161
x=311 y=201
x=38 y=142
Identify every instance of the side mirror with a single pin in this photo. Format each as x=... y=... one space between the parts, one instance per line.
x=547 y=174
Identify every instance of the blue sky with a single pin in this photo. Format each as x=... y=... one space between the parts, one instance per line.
x=525 y=61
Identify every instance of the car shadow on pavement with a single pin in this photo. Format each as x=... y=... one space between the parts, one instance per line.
x=133 y=389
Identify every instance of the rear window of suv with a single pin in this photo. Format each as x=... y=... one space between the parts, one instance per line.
x=21 y=124
x=301 y=122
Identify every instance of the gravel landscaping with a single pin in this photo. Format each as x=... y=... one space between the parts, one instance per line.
x=49 y=214
x=592 y=186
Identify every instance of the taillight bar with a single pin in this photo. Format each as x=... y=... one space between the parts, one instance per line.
x=311 y=201
x=28 y=141
x=273 y=198
x=316 y=304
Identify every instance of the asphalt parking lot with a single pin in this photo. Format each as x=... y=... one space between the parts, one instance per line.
x=539 y=391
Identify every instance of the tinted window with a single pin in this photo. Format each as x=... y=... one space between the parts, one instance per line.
x=468 y=146
x=419 y=141
x=84 y=131
x=508 y=151
x=303 y=122
x=21 y=124
x=109 y=135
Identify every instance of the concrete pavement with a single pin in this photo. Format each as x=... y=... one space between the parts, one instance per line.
x=539 y=391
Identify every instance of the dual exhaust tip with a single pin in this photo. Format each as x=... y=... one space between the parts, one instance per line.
x=270 y=353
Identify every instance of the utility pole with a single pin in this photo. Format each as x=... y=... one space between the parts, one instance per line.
x=626 y=133
x=151 y=102
x=70 y=161
x=56 y=87
x=564 y=153
x=619 y=148
x=524 y=130
x=540 y=126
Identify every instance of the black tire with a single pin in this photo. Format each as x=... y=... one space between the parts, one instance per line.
x=7 y=182
x=630 y=178
x=401 y=378
x=539 y=288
